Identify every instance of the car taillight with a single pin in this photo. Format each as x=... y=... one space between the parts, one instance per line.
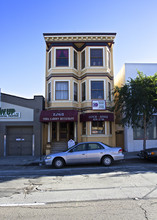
x=120 y=151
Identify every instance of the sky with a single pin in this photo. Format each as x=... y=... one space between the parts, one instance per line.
x=23 y=22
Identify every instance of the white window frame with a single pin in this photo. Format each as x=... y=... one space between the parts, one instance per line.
x=81 y=60
x=77 y=91
x=49 y=83
x=108 y=91
x=50 y=51
x=85 y=91
x=74 y=60
x=108 y=56
x=54 y=91
x=102 y=59
x=62 y=48
x=90 y=98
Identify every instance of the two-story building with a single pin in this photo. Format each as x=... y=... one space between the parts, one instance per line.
x=78 y=95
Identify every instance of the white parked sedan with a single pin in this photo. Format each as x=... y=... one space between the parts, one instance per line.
x=85 y=152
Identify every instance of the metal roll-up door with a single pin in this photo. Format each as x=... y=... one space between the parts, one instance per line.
x=19 y=141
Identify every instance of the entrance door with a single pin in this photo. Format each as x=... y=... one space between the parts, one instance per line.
x=63 y=134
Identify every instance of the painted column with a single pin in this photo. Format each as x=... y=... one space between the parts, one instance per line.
x=75 y=131
x=49 y=132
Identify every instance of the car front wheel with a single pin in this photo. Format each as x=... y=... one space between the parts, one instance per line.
x=58 y=163
x=107 y=160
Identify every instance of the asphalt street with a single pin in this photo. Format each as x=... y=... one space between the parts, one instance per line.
x=125 y=190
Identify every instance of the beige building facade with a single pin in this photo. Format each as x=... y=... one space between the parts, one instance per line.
x=78 y=89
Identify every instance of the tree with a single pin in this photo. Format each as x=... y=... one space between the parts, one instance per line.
x=136 y=102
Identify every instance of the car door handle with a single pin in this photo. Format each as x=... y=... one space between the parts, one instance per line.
x=83 y=154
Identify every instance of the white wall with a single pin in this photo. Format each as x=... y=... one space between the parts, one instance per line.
x=129 y=70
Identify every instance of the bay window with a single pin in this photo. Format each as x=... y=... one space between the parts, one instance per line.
x=61 y=91
x=83 y=59
x=97 y=89
x=62 y=57
x=96 y=57
x=49 y=92
x=109 y=91
x=83 y=91
x=75 y=59
x=108 y=58
x=75 y=92
x=49 y=60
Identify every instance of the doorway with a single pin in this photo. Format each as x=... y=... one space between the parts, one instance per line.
x=63 y=131
x=66 y=131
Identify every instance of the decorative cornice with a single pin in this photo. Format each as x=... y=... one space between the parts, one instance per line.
x=79 y=37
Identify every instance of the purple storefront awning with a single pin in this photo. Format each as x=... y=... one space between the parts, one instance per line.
x=59 y=115
x=96 y=116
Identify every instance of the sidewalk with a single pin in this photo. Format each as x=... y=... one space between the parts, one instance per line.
x=20 y=161
x=36 y=161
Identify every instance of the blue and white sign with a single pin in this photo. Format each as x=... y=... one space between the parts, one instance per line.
x=98 y=104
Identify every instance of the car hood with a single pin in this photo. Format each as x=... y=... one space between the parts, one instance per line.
x=59 y=154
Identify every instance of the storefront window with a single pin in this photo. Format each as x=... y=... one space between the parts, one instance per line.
x=98 y=127
x=84 y=128
x=138 y=133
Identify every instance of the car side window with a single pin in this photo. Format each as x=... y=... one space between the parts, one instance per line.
x=80 y=147
x=94 y=146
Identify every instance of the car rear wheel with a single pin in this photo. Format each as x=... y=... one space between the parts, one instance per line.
x=58 y=163
x=107 y=160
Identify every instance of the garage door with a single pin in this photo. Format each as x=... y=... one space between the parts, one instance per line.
x=19 y=141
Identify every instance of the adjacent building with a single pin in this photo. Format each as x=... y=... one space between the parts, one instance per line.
x=132 y=139
x=20 y=127
x=78 y=81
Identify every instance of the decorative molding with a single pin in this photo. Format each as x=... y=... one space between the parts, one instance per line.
x=79 y=77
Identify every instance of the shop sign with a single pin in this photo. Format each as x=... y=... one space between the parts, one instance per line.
x=58 y=115
x=9 y=113
x=97 y=117
x=98 y=104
